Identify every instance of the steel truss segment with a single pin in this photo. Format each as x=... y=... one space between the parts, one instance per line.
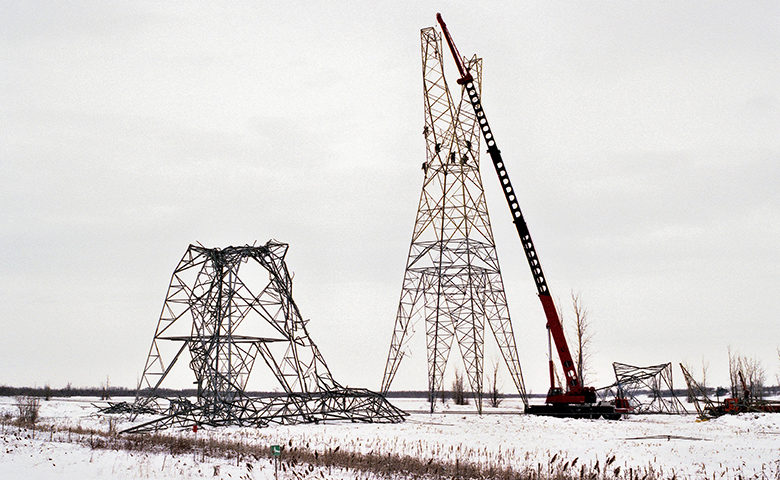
x=215 y=304
x=346 y=404
x=698 y=395
x=452 y=280
x=632 y=381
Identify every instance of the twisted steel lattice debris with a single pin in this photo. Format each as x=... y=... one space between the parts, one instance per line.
x=227 y=308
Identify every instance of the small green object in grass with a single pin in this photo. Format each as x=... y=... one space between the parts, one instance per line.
x=276 y=450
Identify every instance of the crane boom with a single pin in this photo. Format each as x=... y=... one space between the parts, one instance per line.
x=575 y=393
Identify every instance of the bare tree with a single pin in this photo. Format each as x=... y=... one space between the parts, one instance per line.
x=753 y=373
x=705 y=367
x=458 y=390
x=28 y=407
x=495 y=395
x=582 y=330
x=777 y=375
x=755 y=376
x=733 y=372
x=104 y=394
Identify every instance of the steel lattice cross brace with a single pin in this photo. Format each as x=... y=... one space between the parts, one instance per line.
x=453 y=280
x=630 y=380
x=227 y=308
x=697 y=394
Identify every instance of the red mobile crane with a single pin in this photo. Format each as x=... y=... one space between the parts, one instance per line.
x=576 y=400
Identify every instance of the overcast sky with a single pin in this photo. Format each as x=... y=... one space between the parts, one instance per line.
x=643 y=139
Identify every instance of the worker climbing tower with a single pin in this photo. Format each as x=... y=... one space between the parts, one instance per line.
x=452 y=279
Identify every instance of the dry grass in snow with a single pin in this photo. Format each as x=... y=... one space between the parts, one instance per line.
x=439 y=445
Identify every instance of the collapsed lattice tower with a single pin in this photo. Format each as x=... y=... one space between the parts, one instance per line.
x=452 y=278
x=698 y=395
x=644 y=388
x=225 y=308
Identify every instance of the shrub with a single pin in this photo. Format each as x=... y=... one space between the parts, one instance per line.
x=28 y=409
x=458 y=390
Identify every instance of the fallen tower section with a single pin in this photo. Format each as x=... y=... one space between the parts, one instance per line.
x=225 y=309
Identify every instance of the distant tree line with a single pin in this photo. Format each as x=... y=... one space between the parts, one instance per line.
x=47 y=392
x=100 y=392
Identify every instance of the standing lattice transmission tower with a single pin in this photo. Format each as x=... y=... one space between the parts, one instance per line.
x=452 y=280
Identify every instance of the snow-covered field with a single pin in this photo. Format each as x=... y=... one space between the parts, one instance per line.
x=746 y=445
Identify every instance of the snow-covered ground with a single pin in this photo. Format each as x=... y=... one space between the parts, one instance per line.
x=746 y=445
